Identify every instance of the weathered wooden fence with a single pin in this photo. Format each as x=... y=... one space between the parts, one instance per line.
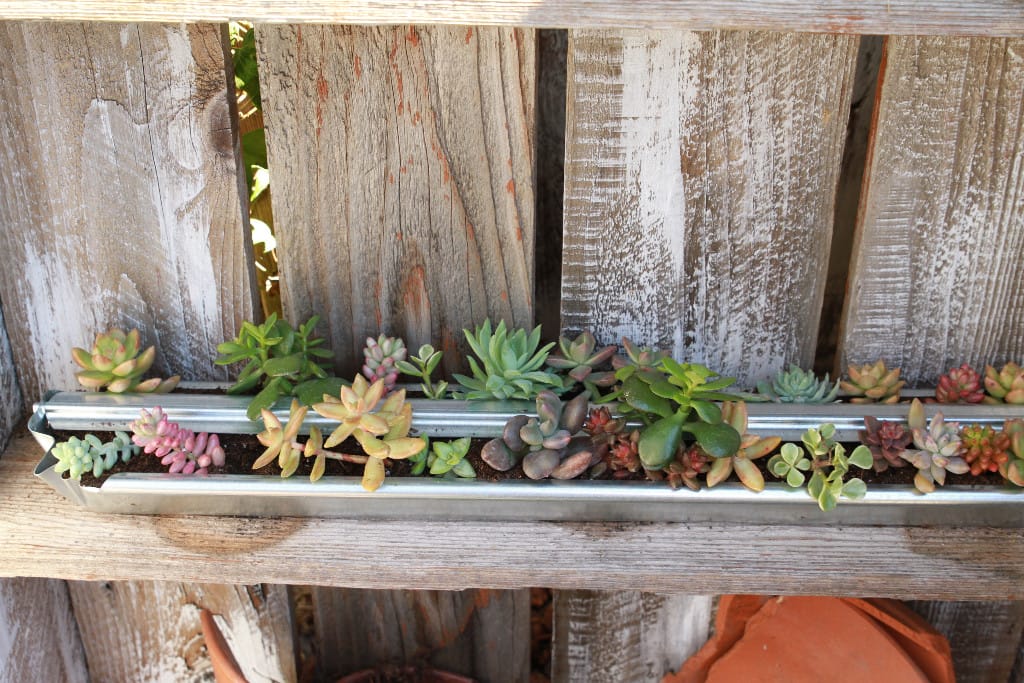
x=700 y=180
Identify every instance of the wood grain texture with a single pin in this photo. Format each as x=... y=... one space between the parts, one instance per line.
x=936 y=275
x=483 y=634
x=915 y=17
x=39 y=640
x=119 y=195
x=701 y=172
x=625 y=635
x=149 y=630
x=985 y=636
x=11 y=404
x=403 y=178
x=964 y=564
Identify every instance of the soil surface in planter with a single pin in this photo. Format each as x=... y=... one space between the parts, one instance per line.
x=241 y=450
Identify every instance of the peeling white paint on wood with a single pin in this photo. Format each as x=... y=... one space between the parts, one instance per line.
x=700 y=182
x=403 y=172
x=937 y=276
x=120 y=195
x=38 y=637
x=612 y=636
x=149 y=631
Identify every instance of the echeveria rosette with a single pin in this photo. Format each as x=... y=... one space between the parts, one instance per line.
x=938 y=446
x=448 y=459
x=580 y=359
x=799 y=386
x=507 y=365
x=1004 y=386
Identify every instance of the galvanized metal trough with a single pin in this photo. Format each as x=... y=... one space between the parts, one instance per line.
x=576 y=500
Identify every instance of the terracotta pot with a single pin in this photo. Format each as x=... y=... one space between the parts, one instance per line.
x=225 y=666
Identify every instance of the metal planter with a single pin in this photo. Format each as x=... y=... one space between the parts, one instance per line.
x=577 y=500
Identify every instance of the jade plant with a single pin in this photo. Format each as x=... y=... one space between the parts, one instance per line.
x=828 y=464
x=752 y=447
x=115 y=362
x=507 y=364
x=545 y=444
x=799 y=386
x=422 y=365
x=887 y=442
x=279 y=361
x=938 y=445
x=960 y=385
x=872 y=383
x=448 y=459
x=580 y=360
x=181 y=450
x=88 y=454
x=382 y=432
x=381 y=357
x=1004 y=386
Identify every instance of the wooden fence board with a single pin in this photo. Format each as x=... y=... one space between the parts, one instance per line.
x=937 y=275
x=479 y=633
x=402 y=161
x=914 y=17
x=700 y=182
x=38 y=637
x=985 y=636
x=149 y=630
x=119 y=195
x=625 y=635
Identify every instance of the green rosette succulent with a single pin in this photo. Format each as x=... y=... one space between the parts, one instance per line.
x=508 y=365
x=115 y=362
x=799 y=386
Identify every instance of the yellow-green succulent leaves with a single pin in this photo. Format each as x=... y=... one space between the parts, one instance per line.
x=115 y=363
x=1004 y=386
x=873 y=384
x=280 y=439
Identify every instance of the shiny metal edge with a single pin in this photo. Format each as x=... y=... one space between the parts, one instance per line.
x=576 y=501
x=451 y=418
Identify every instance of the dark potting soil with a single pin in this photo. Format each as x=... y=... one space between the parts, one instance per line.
x=241 y=450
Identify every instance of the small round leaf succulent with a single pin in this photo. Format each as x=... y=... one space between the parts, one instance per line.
x=88 y=454
x=873 y=383
x=116 y=363
x=799 y=386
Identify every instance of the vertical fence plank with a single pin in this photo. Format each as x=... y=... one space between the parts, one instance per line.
x=478 y=633
x=625 y=635
x=120 y=197
x=936 y=273
x=118 y=194
x=700 y=183
x=402 y=163
x=402 y=160
x=150 y=631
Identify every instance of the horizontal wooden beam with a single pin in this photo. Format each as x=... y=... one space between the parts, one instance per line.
x=41 y=534
x=907 y=17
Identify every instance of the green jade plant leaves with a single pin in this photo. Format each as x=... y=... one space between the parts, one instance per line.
x=281 y=360
x=683 y=400
x=829 y=466
x=509 y=364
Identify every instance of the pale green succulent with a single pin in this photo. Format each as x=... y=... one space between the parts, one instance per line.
x=449 y=459
x=509 y=364
x=938 y=444
x=77 y=456
x=799 y=386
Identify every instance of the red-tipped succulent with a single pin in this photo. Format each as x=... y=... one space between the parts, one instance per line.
x=960 y=385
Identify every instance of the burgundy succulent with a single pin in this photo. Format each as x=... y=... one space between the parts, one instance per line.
x=887 y=441
x=961 y=384
x=687 y=467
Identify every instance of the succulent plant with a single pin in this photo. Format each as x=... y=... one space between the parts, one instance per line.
x=510 y=364
x=182 y=450
x=1005 y=386
x=280 y=361
x=984 y=448
x=449 y=459
x=382 y=433
x=422 y=365
x=799 y=386
x=686 y=468
x=623 y=456
x=887 y=442
x=751 y=448
x=961 y=384
x=88 y=454
x=937 y=446
x=115 y=363
x=1013 y=469
x=828 y=463
x=641 y=358
x=381 y=358
x=545 y=444
x=580 y=360
x=682 y=397
x=280 y=440
x=873 y=383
